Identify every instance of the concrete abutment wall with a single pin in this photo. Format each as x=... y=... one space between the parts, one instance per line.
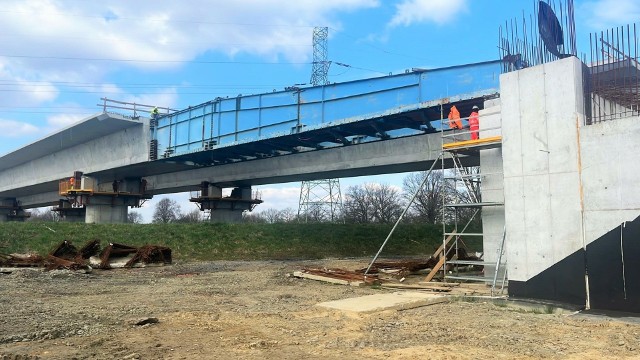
x=569 y=190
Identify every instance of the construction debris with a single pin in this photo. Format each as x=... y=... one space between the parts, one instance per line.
x=21 y=260
x=90 y=249
x=66 y=256
x=65 y=250
x=56 y=263
x=400 y=268
x=336 y=276
x=124 y=256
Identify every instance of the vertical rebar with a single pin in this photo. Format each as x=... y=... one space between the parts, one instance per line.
x=590 y=80
x=635 y=56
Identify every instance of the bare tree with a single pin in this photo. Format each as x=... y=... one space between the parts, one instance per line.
x=134 y=217
x=253 y=217
x=372 y=203
x=44 y=215
x=271 y=215
x=427 y=206
x=316 y=213
x=166 y=211
x=192 y=216
x=288 y=215
x=357 y=207
x=387 y=204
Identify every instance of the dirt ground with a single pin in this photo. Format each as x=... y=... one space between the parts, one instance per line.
x=252 y=310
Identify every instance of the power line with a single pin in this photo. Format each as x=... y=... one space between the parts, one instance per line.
x=111 y=92
x=89 y=84
x=379 y=48
x=359 y=68
x=154 y=61
x=93 y=39
x=48 y=112
x=23 y=86
x=117 y=18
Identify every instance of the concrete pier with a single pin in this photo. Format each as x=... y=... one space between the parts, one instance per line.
x=225 y=209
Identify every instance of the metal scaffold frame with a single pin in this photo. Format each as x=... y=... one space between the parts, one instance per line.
x=463 y=179
x=447 y=257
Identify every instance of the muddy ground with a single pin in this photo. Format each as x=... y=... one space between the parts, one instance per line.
x=252 y=310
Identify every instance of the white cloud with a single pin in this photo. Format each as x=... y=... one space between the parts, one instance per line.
x=19 y=90
x=166 y=30
x=12 y=129
x=440 y=12
x=50 y=41
x=279 y=197
x=609 y=13
x=164 y=98
x=62 y=120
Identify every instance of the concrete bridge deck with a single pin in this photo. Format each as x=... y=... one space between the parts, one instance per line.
x=366 y=127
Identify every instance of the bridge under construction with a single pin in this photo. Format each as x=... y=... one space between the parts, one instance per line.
x=558 y=193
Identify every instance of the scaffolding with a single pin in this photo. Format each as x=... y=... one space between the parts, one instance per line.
x=464 y=210
x=453 y=253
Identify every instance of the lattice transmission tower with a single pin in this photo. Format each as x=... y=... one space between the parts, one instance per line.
x=320 y=68
x=320 y=200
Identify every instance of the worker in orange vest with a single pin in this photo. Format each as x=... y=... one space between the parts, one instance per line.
x=474 y=122
x=454 y=118
x=72 y=182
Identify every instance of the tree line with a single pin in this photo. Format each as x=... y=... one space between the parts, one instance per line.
x=369 y=203
x=374 y=203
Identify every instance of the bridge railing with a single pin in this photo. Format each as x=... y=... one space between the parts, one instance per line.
x=136 y=109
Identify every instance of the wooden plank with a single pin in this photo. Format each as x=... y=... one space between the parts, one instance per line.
x=300 y=274
x=416 y=287
x=465 y=143
x=446 y=242
x=435 y=269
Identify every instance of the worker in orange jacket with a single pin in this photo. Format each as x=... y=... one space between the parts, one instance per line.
x=474 y=123
x=454 y=118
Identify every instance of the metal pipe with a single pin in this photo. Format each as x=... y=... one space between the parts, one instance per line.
x=495 y=274
x=403 y=213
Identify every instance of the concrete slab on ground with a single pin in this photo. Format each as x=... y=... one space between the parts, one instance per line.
x=381 y=302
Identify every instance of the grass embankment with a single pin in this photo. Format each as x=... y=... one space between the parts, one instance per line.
x=206 y=241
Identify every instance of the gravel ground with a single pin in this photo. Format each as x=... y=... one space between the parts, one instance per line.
x=252 y=310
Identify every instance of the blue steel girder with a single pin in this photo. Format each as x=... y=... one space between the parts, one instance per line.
x=405 y=101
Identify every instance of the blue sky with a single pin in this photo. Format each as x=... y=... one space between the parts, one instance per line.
x=59 y=57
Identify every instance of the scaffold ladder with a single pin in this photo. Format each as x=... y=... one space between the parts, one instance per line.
x=455 y=255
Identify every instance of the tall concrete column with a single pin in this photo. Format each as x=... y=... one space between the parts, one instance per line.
x=492 y=188
x=106 y=214
x=108 y=201
x=226 y=216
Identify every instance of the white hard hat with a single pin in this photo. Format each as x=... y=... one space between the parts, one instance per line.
x=475 y=107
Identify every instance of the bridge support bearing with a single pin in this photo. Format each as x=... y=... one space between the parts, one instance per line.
x=106 y=202
x=69 y=213
x=225 y=209
x=10 y=210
